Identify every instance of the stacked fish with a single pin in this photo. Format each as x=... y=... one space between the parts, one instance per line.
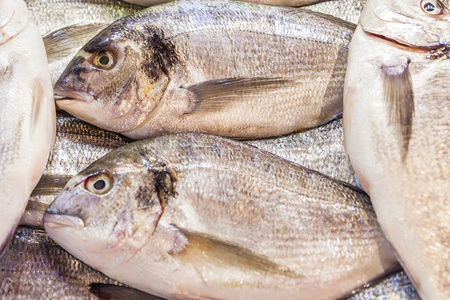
x=195 y=216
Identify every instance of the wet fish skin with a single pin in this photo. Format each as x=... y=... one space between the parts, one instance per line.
x=348 y=10
x=51 y=15
x=27 y=125
x=271 y=2
x=35 y=267
x=197 y=84
x=320 y=149
x=173 y=197
x=394 y=287
x=396 y=128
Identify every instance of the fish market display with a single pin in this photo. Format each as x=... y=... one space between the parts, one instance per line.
x=320 y=149
x=348 y=10
x=225 y=67
x=35 y=267
x=396 y=125
x=51 y=15
x=27 y=113
x=394 y=287
x=240 y=223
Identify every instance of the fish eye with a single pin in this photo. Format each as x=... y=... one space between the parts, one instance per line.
x=104 y=60
x=431 y=7
x=99 y=184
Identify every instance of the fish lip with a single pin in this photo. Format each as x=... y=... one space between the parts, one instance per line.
x=61 y=95
x=56 y=220
x=405 y=44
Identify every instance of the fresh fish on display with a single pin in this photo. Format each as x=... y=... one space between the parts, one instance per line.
x=348 y=10
x=320 y=149
x=27 y=113
x=51 y=15
x=239 y=222
x=397 y=124
x=395 y=287
x=225 y=67
x=35 y=267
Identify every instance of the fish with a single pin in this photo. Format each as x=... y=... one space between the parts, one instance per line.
x=396 y=131
x=35 y=267
x=394 y=287
x=320 y=149
x=239 y=222
x=348 y=10
x=247 y=79
x=51 y=15
x=27 y=113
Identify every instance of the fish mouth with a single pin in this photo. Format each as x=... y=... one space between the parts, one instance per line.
x=63 y=95
x=406 y=45
x=54 y=220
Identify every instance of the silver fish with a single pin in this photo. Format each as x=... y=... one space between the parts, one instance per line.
x=35 y=267
x=320 y=149
x=271 y=2
x=239 y=222
x=348 y=10
x=396 y=126
x=27 y=113
x=209 y=66
x=51 y=15
x=395 y=287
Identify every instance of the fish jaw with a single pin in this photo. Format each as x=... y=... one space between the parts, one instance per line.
x=406 y=23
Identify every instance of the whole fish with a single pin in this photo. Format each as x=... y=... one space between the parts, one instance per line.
x=394 y=287
x=27 y=113
x=239 y=222
x=320 y=149
x=35 y=267
x=348 y=10
x=51 y=15
x=226 y=67
x=397 y=124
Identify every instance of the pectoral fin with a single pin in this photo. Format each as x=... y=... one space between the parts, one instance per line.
x=204 y=249
x=215 y=95
x=116 y=292
x=399 y=97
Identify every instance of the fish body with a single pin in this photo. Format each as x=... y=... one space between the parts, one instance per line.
x=51 y=15
x=348 y=10
x=394 y=287
x=320 y=149
x=271 y=2
x=396 y=128
x=225 y=67
x=27 y=113
x=239 y=222
x=35 y=267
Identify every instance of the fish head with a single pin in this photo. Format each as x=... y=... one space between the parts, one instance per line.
x=411 y=23
x=106 y=213
x=115 y=81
